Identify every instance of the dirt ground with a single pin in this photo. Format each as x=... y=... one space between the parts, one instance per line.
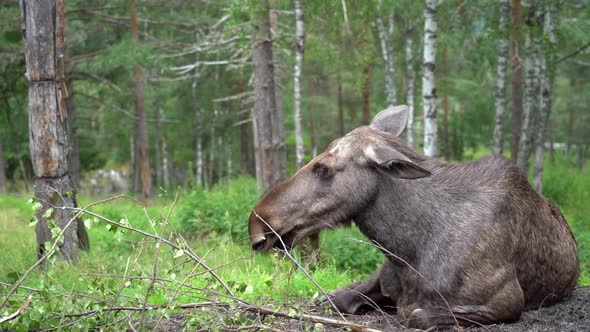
x=572 y=314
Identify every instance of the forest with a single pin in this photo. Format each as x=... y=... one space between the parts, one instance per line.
x=136 y=136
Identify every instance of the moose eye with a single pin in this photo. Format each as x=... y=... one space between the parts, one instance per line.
x=322 y=171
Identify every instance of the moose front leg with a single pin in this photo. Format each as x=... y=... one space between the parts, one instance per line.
x=374 y=291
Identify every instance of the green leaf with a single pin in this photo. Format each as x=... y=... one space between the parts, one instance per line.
x=36 y=206
x=47 y=213
x=178 y=253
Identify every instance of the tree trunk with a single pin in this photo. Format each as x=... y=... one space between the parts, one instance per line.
x=211 y=166
x=2 y=171
x=410 y=84
x=44 y=30
x=229 y=158
x=387 y=54
x=570 y=131
x=221 y=153
x=279 y=128
x=367 y=93
x=314 y=147
x=446 y=105
x=340 y=106
x=157 y=135
x=299 y=51
x=580 y=154
x=267 y=120
x=547 y=75
x=501 y=80
x=199 y=161
x=428 y=85
x=516 y=120
x=142 y=147
x=531 y=101
x=73 y=132
x=165 y=164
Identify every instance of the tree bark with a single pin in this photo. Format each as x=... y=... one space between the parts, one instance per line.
x=428 y=84
x=501 y=80
x=410 y=84
x=142 y=147
x=44 y=47
x=73 y=128
x=387 y=55
x=367 y=93
x=165 y=164
x=229 y=167
x=446 y=106
x=570 y=131
x=2 y=171
x=516 y=64
x=299 y=51
x=279 y=128
x=270 y=149
x=157 y=138
x=340 y=105
x=547 y=75
x=314 y=146
x=211 y=164
x=531 y=101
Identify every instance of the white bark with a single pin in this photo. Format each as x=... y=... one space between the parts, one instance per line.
x=229 y=158
x=531 y=89
x=503 y=52
x=199 y=161
x=220 y=158
x=387 y=54
x=410 y=80
x=165 y=164
x=547 y=74
x=300 y=47
x=428 y=84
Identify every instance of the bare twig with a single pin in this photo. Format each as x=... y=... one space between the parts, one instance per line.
x=18 y=312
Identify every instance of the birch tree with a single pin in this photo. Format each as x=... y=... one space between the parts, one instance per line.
x=299 y=51
x=548 y=64
x=516 y=84
x=410 y=82
x=43 y=25
x=387 y=54
x=531 y=90
x=503 y=52
x=428 y=85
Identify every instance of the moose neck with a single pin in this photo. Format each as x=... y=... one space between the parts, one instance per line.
x=403 y=217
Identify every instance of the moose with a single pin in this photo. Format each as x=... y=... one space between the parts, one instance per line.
x=464 y=243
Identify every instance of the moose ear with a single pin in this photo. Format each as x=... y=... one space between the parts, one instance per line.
x=394 y=162
x=392 y=120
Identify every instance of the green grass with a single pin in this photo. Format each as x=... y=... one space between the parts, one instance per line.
x=215 y=224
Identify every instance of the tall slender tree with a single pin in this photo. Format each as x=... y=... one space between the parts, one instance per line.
x=548 y=63
x=531 y=101
x=2 y=171
x=299 y=51
x=501 y=79
x=410 y=83
x=43 y=24
x=265 y=117
x=141 y=137
x=428 y=85
x=387 y=55
x=516 y=84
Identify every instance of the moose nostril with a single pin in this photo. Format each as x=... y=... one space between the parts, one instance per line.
x=258 y=246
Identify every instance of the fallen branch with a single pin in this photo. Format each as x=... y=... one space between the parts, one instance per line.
x=18 y=312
